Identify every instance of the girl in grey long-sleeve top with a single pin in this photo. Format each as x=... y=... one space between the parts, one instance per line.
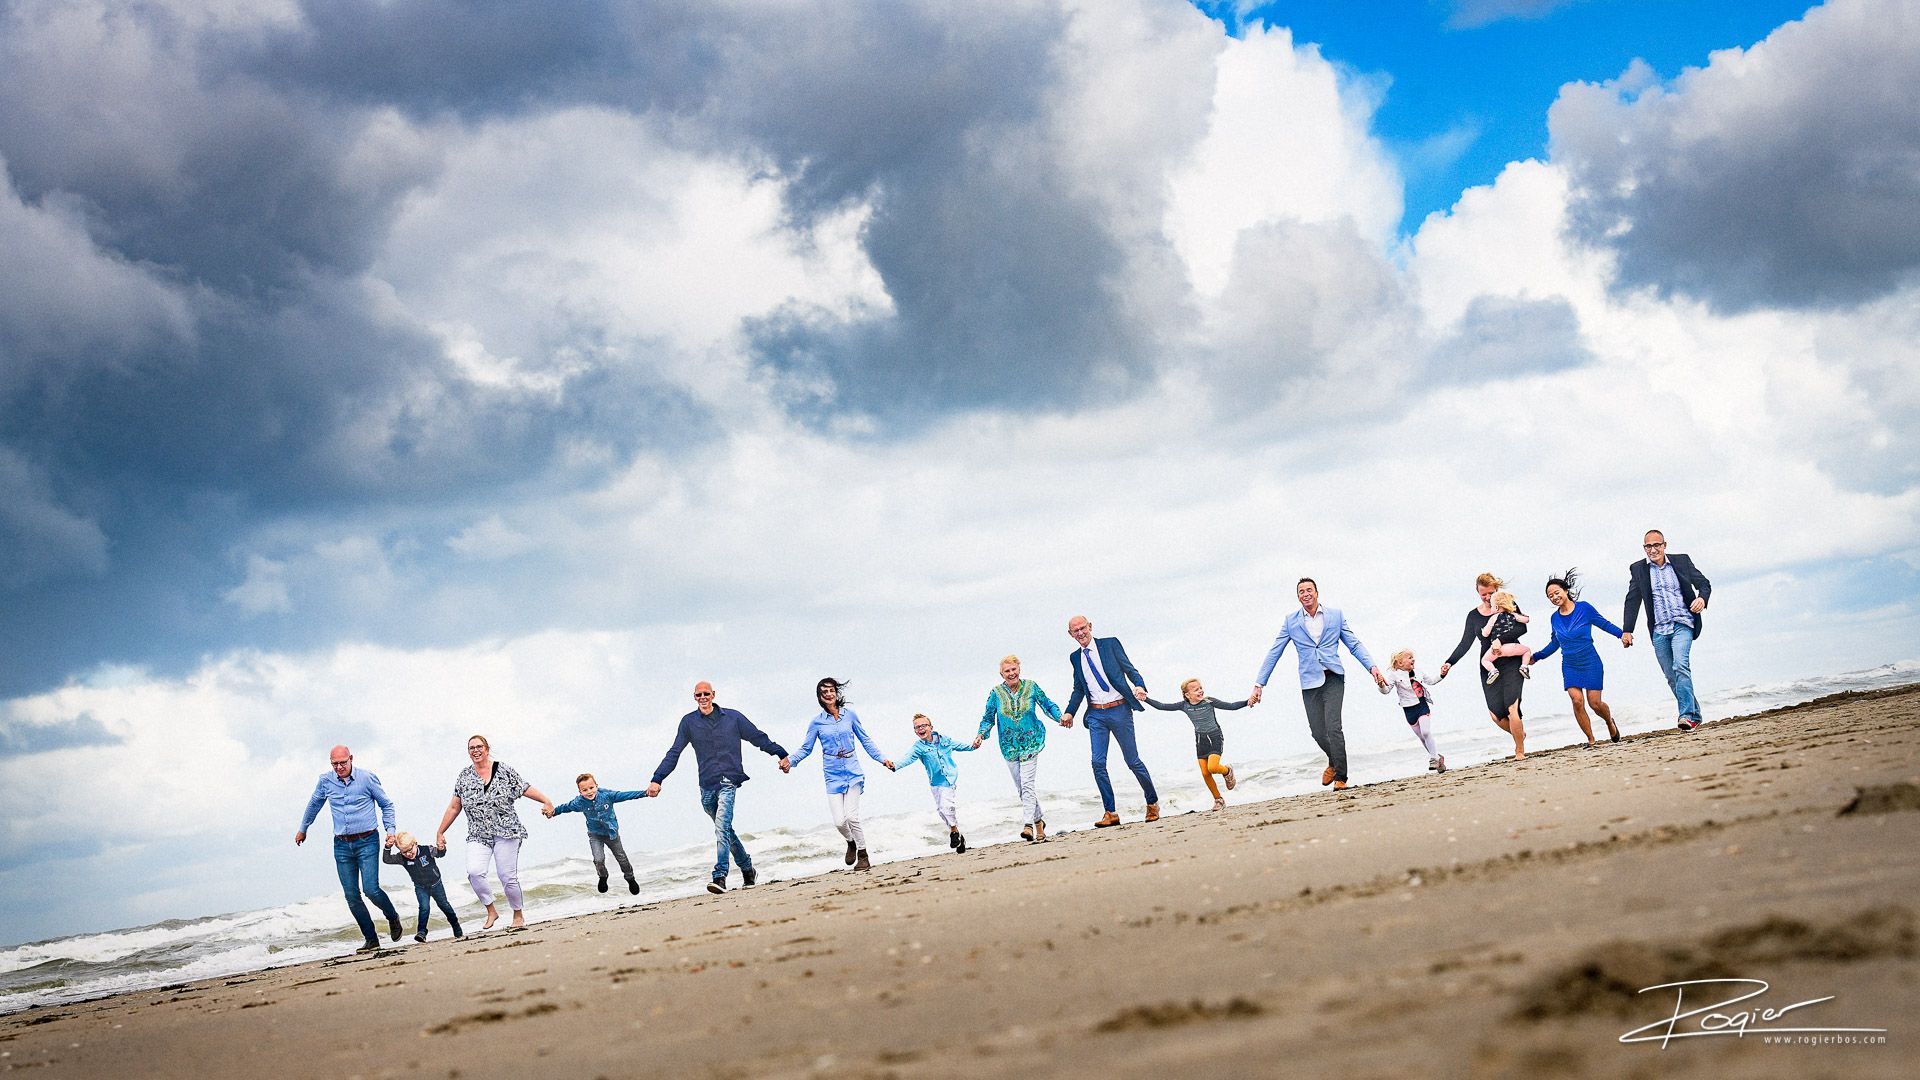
x=1209 y=742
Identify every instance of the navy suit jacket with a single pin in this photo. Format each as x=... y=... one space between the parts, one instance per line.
x=1640 y=590
x=1116 y=666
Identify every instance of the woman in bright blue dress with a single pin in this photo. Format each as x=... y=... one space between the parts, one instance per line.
x=1580 y=668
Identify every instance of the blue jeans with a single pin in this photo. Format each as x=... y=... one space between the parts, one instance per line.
x=358 y=863
x=438 y=894
x=1674 y=650
x=1117 y=721
x=718 y=803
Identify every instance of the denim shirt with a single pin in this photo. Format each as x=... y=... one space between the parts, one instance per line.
x=352 y=801
x=937 y=756
x=599 y=811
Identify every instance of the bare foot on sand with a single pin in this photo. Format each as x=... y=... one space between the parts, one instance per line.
x=493 y=916
x=519 y=920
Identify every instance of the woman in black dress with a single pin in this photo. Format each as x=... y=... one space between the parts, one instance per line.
x=1502 y=694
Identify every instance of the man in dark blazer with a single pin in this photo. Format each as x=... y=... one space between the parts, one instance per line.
x=1103 y=677
x=1675 y=593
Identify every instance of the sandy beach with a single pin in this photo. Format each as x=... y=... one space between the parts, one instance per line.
x=1494 y=921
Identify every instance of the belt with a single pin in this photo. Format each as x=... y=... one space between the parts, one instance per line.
x=1118 y=703
x=353 y=835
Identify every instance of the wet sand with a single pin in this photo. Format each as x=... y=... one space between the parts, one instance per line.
x=1496 y=921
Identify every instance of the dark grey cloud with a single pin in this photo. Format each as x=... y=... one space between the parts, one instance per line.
x=19 y=737
x=1500 y=337
x=1787 y=175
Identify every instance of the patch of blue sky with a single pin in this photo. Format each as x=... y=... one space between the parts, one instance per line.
x=1467 y=90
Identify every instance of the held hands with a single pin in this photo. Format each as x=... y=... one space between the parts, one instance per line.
x=976 y=742
x=888 y=762
x=1066 y=719
x=1444 y=668
x=547 y=811
x=1254 y=697
x=1139 y=693
x=786 y=765
x=653 y=791
x=440 y=841
x=1626 y=640
x=1379 y=680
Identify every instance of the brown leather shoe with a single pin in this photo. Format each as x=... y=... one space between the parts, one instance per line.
x=862 y=862
x=1107 y=820
x=1339 y=785
x=1153 y=811
x=1326 y=777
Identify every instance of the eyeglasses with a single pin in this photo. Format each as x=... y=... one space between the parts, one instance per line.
x=476 y=749
x=702 y=693
x=343 y=764
x=1654 y=547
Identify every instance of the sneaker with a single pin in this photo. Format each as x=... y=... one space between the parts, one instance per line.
x=1493 y=676
x=960 y=845
x=852 y=851
x=421 y=937
x=1687 y=724
x=394 y=928
x=603 y=881
x=633 y=887
x=1153 y=811
x=1326 y=777
x=1440 y=764
x=862 y=863
x=371 y=946
x=1230 y=780
x=718 y=885
x=1433 y=764
x=747 y=878
x=1107 y=820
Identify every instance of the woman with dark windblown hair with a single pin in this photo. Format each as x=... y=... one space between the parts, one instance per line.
x=840 y=735
x=1580 y=667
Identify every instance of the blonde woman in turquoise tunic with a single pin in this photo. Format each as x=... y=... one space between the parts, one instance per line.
x=1010 y=705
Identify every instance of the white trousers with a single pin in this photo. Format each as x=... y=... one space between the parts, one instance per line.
x=943 y=804
x=505 y=856
x=1025 y=781
x=846 y=815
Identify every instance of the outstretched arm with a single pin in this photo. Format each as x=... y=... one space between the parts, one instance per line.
x=1600 y=621
x=866 y=741
x=672 y=759
x=1228 y=705
x=1161 y=705
x=1127 y=668
x=760 y=738
x=806 y=744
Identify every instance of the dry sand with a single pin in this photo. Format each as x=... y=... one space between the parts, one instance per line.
x=1495 y=921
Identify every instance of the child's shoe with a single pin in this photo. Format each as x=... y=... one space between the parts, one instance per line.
x=421 y=937
x=603 y=881
x=1433 y=764
x=634 y=886
x=1493 y=676
x=1440 y=764
x=1526 y=671
x=1230 y=779
x=1219 y=804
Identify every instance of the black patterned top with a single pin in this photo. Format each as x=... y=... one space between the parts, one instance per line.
x=489 y=806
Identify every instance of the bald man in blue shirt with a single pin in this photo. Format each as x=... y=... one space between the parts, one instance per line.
x=352 y=794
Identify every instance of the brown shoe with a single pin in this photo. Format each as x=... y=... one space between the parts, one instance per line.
x=1107 y=820
x=862 y=862
x=1153 y=811
x=1339 y=785
x=1230 y=780
x=1039 y=831
x=1326 y=777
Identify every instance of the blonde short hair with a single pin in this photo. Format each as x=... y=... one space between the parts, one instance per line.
x=1488 y=581
x=919 y=716
x=1403 y=654
x=1009 y=659
x=1189 y=682
x=404 y=840
x=1505 y=602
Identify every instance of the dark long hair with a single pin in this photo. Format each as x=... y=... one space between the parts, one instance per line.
x=1569 y=581
x=839 y=691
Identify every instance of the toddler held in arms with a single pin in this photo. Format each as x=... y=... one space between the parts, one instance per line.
x=603 y=827
x=1409 y=687
x=1504 y=627
x=423 y=866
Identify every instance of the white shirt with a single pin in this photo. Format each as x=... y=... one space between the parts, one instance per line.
x=1089 y=663
x=1317 y=624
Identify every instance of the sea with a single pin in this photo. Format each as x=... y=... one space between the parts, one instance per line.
x=68 y=969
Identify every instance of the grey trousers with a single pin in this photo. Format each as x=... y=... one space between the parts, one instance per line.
x=1323 y=719
x=597 y=843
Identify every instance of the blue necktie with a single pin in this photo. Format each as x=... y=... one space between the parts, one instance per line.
x=1093 y=665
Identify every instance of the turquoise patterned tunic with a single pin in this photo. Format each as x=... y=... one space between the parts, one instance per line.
x=1022 y=735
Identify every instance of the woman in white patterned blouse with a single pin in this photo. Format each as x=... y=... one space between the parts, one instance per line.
x=487 y=790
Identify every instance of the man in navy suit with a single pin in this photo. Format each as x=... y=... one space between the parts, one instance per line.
x=1101 y=677
x=1316 y=634
x=1675 y=593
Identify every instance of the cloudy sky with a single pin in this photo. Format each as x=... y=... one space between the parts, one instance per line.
x=381 y=372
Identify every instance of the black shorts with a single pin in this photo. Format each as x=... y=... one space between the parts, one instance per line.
x=1208 y=744
x=1416 y=711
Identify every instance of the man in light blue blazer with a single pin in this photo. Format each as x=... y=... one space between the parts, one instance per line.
x=1316 y=634
x=1103 y=677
